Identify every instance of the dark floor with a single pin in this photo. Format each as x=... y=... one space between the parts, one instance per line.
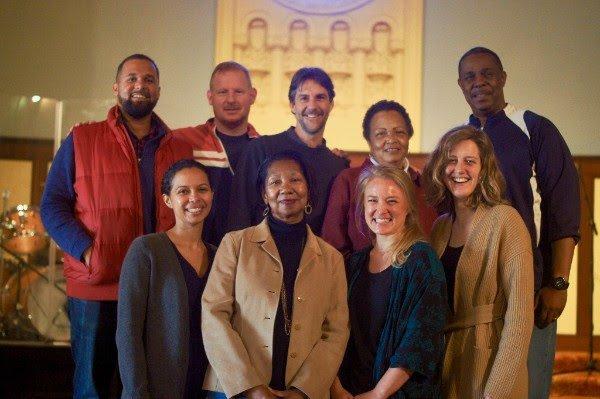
x=35 y=370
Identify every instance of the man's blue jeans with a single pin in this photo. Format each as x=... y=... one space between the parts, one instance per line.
x=541 y=361
x=93 y=328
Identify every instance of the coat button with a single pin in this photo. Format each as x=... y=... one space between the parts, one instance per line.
x=300 y=299
x=297 y=327
x=293 y=355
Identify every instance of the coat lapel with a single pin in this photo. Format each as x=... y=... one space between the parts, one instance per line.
x=262 y=236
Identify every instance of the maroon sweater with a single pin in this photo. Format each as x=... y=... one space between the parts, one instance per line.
x=339 y=226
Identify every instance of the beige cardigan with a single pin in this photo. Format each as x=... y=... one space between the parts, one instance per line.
x=488 y=334
x=239 y=307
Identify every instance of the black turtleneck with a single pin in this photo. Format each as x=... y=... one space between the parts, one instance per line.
x=290 y=240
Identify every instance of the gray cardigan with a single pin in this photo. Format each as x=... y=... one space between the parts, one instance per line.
x=153 y=320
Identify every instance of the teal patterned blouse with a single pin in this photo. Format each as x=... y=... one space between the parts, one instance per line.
x=413 y=333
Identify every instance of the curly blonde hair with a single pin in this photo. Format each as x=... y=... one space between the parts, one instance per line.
x=491 y=188
x=412 y=231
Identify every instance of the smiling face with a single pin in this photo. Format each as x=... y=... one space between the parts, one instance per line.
x=231 y=96
x=190 y=197
x=286 y=191
x=137 y=88
x=482 y=82
x=385 y=206
x=388 y=138
x=311 y=107
x=462 y=173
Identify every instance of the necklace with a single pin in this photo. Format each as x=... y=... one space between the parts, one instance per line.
x=287 y=319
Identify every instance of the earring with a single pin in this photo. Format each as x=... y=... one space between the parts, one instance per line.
x=266 y=211
x=308 y=209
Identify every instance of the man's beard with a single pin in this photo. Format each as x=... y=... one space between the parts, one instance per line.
x=137 y=110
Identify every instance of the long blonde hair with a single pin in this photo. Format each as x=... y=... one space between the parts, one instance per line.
x=491 y=188
x=412 y=230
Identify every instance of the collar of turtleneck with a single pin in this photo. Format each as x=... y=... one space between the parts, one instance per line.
x=291 y=232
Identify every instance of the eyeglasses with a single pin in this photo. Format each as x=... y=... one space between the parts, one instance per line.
x=396 y=132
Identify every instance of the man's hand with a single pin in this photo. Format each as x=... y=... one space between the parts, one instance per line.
x=259 y=392
x=550 y=304
x=340 y=153
x=87 y=255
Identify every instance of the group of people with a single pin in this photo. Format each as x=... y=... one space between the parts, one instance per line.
x=214 y=262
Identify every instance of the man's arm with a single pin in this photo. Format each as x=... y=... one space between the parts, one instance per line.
x=335 y=224
x=559 y=185
x=58 y=204
x=552 y=302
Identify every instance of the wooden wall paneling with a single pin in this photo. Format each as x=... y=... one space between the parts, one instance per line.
x=39 y=151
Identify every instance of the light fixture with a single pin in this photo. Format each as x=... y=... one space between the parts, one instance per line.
x=35 y=98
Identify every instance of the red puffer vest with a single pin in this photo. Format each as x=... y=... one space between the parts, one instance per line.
x=109 y=201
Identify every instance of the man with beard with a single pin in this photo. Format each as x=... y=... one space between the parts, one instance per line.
x=102 y=191
x=542 y=184
x=220 y=142
x=311 y=96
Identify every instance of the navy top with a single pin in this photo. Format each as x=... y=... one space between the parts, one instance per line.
x=58 y=200
x=450 y=259
x=368 y=306
x=412 y=336
x=524 y=143
x=246 y=204
x=198 y=362
x=221 y=179
x=290 y=240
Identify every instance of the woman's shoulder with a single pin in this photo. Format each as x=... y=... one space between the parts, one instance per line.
x=422 y=248
x=503 y=215
x=423 y=258
x=149 y=241
x=358 y=257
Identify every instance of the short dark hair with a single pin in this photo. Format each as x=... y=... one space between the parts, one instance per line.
x=385 y=105
x=167 y=180
x=310 y=73
x=481 y=50
x=263 y=171
x=137 y=57
x=227 y=66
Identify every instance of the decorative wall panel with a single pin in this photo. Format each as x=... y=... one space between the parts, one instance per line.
x=371 y=49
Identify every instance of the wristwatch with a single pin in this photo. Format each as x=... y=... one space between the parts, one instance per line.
x=559 y=283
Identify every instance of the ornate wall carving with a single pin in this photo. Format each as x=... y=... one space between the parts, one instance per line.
x=371 y=48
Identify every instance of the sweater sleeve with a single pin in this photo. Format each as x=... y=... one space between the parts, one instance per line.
x=335 y=224
x=131 y=315
x=245 y=203
x=58 y=203
x=224 y=347
x=328 y=352
x=516 y=276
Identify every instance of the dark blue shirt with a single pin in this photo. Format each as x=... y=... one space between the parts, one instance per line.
x=526 y=143
x=246 y=204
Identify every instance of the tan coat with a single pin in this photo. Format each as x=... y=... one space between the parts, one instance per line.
x=239 y=307
x=488 y=334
